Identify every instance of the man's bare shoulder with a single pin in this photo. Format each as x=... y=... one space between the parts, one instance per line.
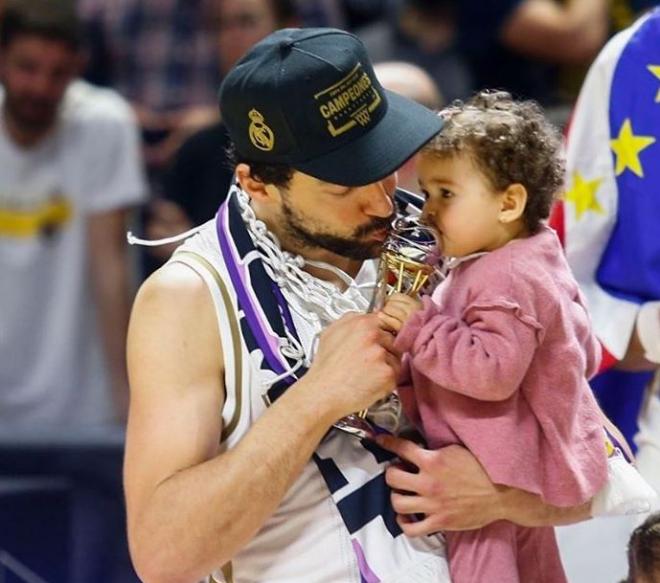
x=174 y=284
x=174 y=327
x=174 y=302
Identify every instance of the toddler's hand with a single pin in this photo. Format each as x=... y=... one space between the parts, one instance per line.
x=397 y=310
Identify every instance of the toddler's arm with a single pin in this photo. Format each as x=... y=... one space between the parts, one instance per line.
x=483 y=355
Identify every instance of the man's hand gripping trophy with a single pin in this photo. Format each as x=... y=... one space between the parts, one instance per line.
x=406 y=264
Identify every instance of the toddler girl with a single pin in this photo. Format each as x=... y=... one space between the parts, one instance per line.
x=498 y=358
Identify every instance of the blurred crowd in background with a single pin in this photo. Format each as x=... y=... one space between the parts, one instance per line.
x=110 y=122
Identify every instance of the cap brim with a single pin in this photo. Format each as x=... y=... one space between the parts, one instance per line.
x=403 y=130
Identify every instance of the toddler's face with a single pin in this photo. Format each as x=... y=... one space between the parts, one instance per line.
x=460 y=204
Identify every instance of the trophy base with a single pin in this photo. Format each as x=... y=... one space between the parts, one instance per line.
x=385 y=416
x=357 y=427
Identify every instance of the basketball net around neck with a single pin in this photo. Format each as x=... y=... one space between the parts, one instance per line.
x=317 y=301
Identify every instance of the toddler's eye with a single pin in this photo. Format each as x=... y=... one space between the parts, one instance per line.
x=425 y=194
x=444 y=193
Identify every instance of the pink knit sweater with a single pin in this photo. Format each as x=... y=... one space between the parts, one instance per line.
x=498 y=360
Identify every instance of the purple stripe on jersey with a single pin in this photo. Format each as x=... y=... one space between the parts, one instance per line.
x=284 y=307
x=366 y=574
x=267 y=341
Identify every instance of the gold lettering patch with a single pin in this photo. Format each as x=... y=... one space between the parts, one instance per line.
x=260 y=134
x=349 y=102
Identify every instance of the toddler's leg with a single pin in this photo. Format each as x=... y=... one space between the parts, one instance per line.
x=485 y=555
x=538 y=556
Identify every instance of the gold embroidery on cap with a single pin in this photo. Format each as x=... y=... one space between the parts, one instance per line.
x=348 y=102
x=260 y=134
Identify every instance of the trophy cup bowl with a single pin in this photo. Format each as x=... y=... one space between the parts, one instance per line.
x=406 y=264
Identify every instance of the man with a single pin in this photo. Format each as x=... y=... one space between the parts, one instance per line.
x=423 y=33
x=608 y=223
x=515 y=45
x=520 y=45
x=607 y=220
x=216 y=481
x=70 y=169
x=160 y=55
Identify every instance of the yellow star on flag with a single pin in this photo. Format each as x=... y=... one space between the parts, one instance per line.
x=583 y=195
x=627 y=147
x=655 y=70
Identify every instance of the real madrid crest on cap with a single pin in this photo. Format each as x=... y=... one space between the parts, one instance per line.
x=261 y=135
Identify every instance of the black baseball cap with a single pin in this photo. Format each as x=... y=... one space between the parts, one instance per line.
x=308 y=98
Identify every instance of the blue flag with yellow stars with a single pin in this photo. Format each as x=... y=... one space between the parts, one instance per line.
x=610 y=215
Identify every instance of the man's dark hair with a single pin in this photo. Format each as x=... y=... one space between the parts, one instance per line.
x=277 y=174
x=644 y=550
x=511 y=142
x=52 y=19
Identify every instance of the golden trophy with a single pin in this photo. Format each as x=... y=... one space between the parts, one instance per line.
x=406 y=264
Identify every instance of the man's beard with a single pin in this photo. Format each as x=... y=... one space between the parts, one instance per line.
x=41 y=117
x=355 y=247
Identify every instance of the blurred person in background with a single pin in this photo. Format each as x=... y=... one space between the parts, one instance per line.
x=520 y=45
x=160 y=55
x=199 y=177
x=608 y=223
x=70 y=170
x=344 y=14
x=516 y=45
x=414 y=83
x=424 y=33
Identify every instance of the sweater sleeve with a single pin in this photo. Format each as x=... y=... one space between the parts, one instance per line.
x=484 y=354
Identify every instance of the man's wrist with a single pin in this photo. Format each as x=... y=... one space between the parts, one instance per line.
x=527 y=509
x=311 y=403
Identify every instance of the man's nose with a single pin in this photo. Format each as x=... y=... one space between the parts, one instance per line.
x=379 y=198
x=41 y=86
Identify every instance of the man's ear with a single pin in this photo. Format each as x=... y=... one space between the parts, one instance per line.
x=513 y=203
x=258 y=191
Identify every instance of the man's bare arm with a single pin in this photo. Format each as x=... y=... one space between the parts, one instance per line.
x=637 y=355
x=559 y=32
x=109 y=269
x=191 y=509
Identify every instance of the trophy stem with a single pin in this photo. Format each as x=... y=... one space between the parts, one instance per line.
x=400 y=279
x=407 y=256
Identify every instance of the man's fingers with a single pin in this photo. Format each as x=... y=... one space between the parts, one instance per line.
x=414 y=528
x=386 y=340
x=404 y=448
x=409 y=503
x=394 y=363
x=403 y=480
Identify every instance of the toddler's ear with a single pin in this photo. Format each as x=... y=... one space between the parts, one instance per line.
x=514 y=201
